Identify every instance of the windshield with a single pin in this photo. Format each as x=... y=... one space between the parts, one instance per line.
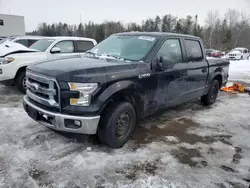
x=237 y=49
x=42 y=45
x=133 y=48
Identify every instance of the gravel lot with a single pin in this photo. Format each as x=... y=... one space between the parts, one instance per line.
x=187 y=146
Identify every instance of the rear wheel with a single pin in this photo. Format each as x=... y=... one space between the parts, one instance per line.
x=212 y=94
x=20 y=82
x=117 y=124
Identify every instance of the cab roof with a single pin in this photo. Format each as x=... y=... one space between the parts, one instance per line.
x=156 y=34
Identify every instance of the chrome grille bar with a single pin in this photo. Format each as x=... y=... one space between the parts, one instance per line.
x=43 y=89
x=47 y=102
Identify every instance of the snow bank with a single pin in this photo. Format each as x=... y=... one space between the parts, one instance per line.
x=239 y=71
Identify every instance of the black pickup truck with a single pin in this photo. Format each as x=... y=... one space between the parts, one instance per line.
x=126 y=77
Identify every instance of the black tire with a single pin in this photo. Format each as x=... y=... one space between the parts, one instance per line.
x=19 y=82
x=212 y=94
x=117 y=123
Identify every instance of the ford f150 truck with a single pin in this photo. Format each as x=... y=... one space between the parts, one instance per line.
x=126 y=77
x=13 y=64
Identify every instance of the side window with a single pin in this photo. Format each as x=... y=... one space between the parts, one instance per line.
x=83 y=46
x=65 y=46
x=23 y=42
x=171 y=50
x=31 y=41
x=1 y=22
x=194 y=52
x=245 y=51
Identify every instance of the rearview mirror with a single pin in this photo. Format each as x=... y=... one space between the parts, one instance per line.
x=55 y=50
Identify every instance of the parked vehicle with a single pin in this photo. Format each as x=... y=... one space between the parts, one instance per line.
x=26 y=41
x=125 y=77
x=238 y=54
x=12 y=66
x=214 y=53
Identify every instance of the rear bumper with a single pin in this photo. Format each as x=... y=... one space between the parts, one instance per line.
x=61 y=122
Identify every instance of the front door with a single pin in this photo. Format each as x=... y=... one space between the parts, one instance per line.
x=171 y=82
x=67 y=49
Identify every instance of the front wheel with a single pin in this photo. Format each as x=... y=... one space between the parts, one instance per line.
x=117 y=124
x=212 y=94
x=20 y=82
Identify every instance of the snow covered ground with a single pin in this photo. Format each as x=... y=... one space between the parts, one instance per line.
x=240 y=70
x=187 y=146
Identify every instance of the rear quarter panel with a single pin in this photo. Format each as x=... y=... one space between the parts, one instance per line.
x=218 y=67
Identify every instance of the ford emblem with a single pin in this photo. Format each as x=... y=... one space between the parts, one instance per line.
x=34 y=87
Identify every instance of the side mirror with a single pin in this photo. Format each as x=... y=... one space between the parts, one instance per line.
x=160 y=63
x=55 y=50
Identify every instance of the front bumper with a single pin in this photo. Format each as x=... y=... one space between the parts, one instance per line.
x=7 y=72
x=234 y=57
x=61 y=122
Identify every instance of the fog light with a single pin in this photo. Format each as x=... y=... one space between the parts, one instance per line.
x=1 y=71
x=72 y=124
x=78 y=123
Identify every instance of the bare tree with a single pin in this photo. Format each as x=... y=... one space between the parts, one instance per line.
x=232 y=16
x=240 y=26
x=212 y=17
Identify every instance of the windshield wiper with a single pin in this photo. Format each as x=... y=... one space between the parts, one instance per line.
x=90 y=52
x=113 y=56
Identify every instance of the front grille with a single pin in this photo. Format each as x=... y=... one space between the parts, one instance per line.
x=42 y=89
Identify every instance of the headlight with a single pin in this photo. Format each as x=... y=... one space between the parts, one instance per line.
x=6 y=60
x=85 y=89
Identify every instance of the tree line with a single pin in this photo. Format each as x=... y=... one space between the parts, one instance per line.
x=219 y=32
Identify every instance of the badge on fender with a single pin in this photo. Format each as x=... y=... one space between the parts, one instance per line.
x=144 y=75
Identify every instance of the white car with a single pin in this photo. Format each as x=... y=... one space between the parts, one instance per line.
x=26 y=41
x=13 y=66
x=238 y=54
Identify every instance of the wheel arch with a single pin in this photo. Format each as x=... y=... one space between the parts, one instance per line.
x=21 y=69
x=217 y=75
x=123 y=91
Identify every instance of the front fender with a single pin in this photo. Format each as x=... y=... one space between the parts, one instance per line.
x=105 y=96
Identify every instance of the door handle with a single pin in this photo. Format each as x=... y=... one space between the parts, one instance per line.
x=183 y=73
x=204 y=70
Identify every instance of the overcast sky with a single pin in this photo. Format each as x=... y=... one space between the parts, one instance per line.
x=69 y=11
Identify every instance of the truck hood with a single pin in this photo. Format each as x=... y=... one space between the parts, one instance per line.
x=83 y=69
x=235 y=52
x=8 y=48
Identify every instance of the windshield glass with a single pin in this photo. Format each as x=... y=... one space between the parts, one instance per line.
x=133 y=48
x=42 y=44
x=237 y=49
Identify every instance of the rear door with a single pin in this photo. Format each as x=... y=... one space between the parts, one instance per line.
x=196 y=67
x=81 y=46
